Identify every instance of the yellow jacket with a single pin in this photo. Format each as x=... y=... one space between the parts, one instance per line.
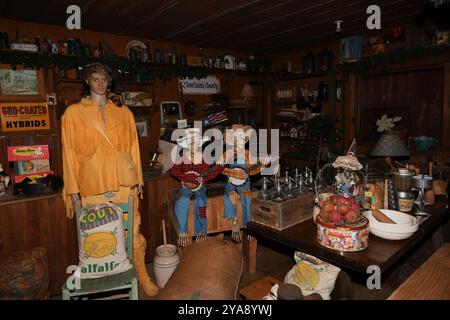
x=89 y=161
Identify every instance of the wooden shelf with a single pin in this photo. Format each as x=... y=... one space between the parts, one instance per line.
x=122 y=83
x=299 y=76
x=285 y=119
x=285 y=103
x=142 y=107
x=67 y=80
x=208 y=69
x=302 y=140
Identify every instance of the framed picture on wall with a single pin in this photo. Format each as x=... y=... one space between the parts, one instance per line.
x=21 y=85
x=142 y=128
x=350 y=49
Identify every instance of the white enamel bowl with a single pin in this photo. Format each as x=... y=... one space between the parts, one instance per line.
x=405 y=225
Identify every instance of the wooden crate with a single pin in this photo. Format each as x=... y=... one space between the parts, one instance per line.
x=281 y=215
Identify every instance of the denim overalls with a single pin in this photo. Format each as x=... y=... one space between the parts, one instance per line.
x=182 y=209
x=229 y=207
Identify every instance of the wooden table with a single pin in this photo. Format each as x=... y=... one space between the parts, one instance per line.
x=431 y=281
x=381 y=252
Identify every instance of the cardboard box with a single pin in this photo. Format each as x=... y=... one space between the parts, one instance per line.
x=20 y=153
x=18 y=179
x=31 y=166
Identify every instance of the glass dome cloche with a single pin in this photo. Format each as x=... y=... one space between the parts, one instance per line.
x=340 y=223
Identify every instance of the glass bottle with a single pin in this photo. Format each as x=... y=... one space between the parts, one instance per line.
x=87 y=49
x=101 y=48
x=167 y=57
x=4 y=40
x=174 y=56
x=183 y=59
x=157 y=56
x=4 y=180
x=37 y=42
x=266 y=194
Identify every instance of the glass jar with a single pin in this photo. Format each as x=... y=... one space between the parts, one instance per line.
x=373 y=190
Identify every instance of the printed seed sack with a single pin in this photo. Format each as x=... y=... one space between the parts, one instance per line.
x=312 y=275
x=102 y=242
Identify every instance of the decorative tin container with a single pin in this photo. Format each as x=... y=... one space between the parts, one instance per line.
x=353 y=237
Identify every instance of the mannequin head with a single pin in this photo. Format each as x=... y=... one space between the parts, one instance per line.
x=98 y=77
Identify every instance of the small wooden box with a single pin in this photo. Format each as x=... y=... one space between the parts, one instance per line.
x=258 y=289
x=281 y=215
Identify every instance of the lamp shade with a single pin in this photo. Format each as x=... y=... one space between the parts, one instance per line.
x=389 y=145
x=247 y=91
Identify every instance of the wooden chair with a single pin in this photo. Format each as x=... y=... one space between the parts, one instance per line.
x=123 y=281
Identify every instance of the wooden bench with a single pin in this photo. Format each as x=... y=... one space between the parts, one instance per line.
x=431 y=281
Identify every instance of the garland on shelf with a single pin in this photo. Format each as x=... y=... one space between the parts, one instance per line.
x=146 y=72
x=382 y=61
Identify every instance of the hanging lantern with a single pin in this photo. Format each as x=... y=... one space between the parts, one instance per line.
x=308 y=63
x=324 y=58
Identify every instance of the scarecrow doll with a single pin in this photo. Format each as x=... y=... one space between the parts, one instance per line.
x=240 y=166
x=194 y=173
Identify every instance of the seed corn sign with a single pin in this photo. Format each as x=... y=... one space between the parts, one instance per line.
x=24 y=116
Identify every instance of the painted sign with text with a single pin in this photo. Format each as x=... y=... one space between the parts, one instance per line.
x=24 y=116
x=208 y=85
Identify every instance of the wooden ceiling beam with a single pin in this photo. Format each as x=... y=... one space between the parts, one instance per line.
x=161 y=10
x=286 y=25
x=245 y=23
x=209 y=18
x=253 y=25
x=312 y=29
x=292 y=44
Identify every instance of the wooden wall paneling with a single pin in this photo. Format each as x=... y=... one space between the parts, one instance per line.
x=65 y=240
x=350 y=110
x=416 y=95
x=41 y=222
x=446 y=107
x=333 y=111
x=156 y=195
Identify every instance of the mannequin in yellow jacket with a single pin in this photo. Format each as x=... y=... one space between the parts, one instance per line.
x=90 y=167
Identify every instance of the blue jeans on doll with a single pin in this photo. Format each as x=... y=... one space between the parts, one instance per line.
x=230 y=208
x=182 y=209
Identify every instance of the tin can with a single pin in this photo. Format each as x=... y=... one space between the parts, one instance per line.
x=343 y=238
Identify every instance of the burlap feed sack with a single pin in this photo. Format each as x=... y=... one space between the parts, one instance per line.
x=208 y=271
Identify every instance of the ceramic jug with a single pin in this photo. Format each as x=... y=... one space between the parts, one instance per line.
x=165 y=262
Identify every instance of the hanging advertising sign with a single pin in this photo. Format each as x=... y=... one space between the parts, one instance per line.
x=24 y=116
x=208 y=85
